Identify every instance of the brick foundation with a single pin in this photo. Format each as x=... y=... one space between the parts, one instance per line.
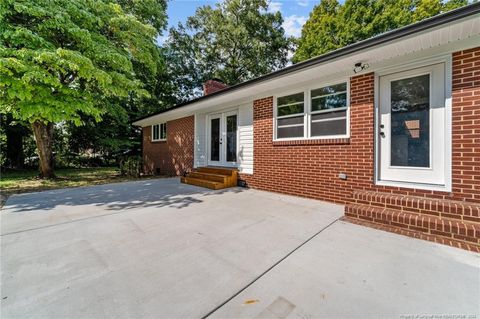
x=174 y=156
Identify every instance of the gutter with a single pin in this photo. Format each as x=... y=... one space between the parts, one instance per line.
x=429 y=23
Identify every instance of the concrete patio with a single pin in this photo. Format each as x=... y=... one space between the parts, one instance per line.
x=161 y=249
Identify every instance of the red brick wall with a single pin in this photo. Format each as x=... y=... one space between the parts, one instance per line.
x=173 y=156
x=311 y=169
x=466 y=124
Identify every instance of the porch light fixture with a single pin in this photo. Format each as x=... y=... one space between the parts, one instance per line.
x=359 y=67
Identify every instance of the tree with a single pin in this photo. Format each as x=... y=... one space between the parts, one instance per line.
x=116 y=135
x=235 y=41
x=61 y=60
x=332 y=25
x=321 y=31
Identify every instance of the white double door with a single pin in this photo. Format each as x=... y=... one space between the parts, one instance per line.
x=222 y=132
x=412 y=126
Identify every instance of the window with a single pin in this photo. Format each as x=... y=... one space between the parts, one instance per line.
x=159 y=132
x=290 y=113
x=325 y=113
x=329 y=111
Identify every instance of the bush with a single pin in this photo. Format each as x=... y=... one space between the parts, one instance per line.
x=131 y=166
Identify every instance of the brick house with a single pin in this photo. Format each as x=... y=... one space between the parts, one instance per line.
x=389 y=126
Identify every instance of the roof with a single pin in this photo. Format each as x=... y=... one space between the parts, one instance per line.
x=426 y=24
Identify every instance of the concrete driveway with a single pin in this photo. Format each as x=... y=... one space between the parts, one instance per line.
x=161 y=249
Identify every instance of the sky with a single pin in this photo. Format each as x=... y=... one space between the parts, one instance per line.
x=295 y=12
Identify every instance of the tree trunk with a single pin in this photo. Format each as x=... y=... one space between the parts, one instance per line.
x=44 y=139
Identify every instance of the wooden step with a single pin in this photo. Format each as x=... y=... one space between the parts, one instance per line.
x=202 y=183
x=209 y=177
x=217 y=170
x=464 y=231
x=463 y=211
x=212 y=177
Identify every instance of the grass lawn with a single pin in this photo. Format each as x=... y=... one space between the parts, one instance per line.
x=27 y=181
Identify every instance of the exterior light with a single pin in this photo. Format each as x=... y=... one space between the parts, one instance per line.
x=359 y=67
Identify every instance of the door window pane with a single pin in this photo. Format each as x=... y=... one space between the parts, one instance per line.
x=410 y=122
x=232 y=138
x=215 y=140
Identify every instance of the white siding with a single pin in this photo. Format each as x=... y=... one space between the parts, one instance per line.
x=200 y=151
x=245 y=135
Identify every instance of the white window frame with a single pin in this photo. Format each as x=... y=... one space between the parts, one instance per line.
x=290 y=115
x=307 y=111
x=159 y=132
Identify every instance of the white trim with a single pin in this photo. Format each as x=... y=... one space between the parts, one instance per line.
x=290 y=115
x=307 y=114
x=441 y=58
x=431 y=187
x=195 y=139
x=329 y=119
x=289 y=125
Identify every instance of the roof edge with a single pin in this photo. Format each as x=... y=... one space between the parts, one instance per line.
x=426 y=24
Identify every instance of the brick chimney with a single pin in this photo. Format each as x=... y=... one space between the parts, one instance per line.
x=212 y=86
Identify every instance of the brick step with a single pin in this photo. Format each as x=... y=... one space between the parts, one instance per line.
x=202 y=183
x=444 y=208
x=463 y=231
x=209 y=177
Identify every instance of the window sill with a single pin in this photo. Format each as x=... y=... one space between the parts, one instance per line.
x=158 y=141
x=327 y=141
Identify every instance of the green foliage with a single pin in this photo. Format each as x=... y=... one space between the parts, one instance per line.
x=235 y=41
x=332 y=25
x=62 y=59
x=131 y=166
x=108 y=139
x=152 y=12
x=3 y=145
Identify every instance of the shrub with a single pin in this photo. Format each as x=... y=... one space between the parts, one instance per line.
x=131 y=166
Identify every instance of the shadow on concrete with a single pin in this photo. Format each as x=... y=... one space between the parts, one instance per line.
x=119 y=196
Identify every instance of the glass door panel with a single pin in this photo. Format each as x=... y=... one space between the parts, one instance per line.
x=231 y=148
x=410 y=122
x=215 y=136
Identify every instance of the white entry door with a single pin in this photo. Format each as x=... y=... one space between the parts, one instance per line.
x=412 y=130
x=222 y=139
